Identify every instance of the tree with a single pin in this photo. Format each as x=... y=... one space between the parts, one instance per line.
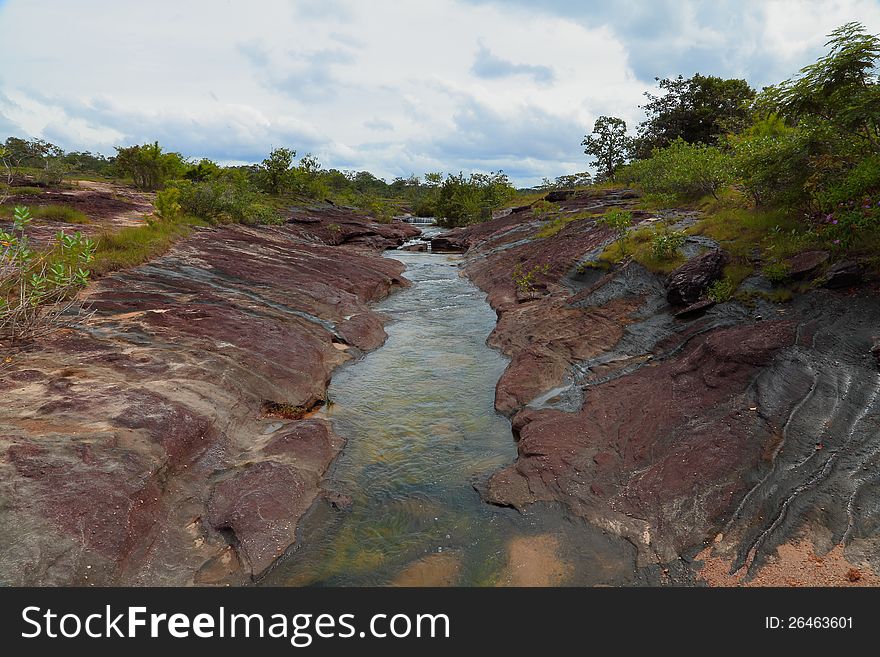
x=148 y=165
x=276 y=170
x=609 y=144
x=698 y=110
x=842 y=88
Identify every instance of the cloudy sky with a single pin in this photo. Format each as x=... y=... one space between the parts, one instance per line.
x=393 y=86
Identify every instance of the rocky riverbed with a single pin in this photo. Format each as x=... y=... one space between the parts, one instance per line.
x=728 y=443
x=169 y=440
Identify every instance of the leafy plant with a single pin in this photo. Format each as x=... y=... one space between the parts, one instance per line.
x=665 y=244
x=168 y=204
x=775 y=272
x=681 y=171
x=37 y=287
x=525 y=279
x=225 y=200
x=720 y=291
x=619 y=221
x=608 y=144
x=148 y=165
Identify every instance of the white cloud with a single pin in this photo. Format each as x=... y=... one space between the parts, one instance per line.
x=392 y=86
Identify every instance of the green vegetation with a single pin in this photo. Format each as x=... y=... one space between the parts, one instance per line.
x=228 y=199
x=37 y=287
x=609 y=145
x=148 y=166
x=525 y=278
x=640 y=245
x=553 y=226
x=61 y=213
x=681 y=171
x=543 y=209
x=721 y=290
x=776 y=272
x=666 y=243
x=460 y=200
x=569 y=181
x=134 y=245
x=794 y=167
x=697 y=110
x=619 y=221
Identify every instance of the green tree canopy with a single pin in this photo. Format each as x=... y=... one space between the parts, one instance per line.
x=609 y=144
x=841 y=89
x=698 y=110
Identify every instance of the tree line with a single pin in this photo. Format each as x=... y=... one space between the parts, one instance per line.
x=809 y=144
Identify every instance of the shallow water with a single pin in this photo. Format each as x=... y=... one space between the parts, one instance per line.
x=421 y=427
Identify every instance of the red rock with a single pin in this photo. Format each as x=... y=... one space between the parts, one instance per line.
x=806 y=263
x=260 y=504
x=115 y=439
x=687 y=283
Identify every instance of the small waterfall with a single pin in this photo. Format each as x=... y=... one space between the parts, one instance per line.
x=419 y=221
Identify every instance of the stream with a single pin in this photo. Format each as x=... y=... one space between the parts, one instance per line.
x=418 y=416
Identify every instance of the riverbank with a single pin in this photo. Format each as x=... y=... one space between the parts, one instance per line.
x=745 y=433
x=169 y=440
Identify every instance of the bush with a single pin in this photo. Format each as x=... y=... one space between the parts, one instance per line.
x=462 y=201
x=681 y=171
x=775 y=272
x=720 y=291
x=619 y=221
x=148 y=166
x=37 y=288
x=225 y=201
x=525 y=279
x=167 y=204
x=665 y=244
x=772 y=163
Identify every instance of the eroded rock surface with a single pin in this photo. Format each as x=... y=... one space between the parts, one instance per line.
x=736 y=431
x=136 y=450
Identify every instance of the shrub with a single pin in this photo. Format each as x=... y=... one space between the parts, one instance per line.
x=772 y=163
x=775 y=272
x=462 y=201
x=619 y=221
x=681 y=171
x=224 y=201
x=665 y=244
x=37 y=288
x=720 y=291
x=149 y=166
x=525 y=279
x=167 y=204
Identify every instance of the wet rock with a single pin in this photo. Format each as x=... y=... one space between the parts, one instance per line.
x=260 y=504
x=448 y=243
x=846 y=273
x=686 y=284
x=338 y=500
x=804 y=265
x=159 y=479
x=417 y=248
